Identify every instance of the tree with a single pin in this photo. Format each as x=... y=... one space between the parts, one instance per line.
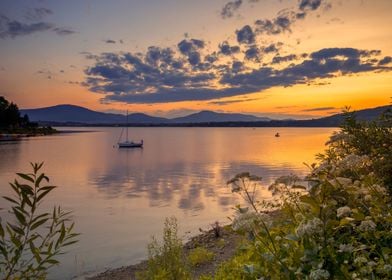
x=9 y=113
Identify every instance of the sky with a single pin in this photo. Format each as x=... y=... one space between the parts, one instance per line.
x=169 y=58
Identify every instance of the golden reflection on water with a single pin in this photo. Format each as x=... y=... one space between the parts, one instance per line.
x=120 y=197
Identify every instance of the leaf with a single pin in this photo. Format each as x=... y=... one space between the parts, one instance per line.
x=346 y=221
x=53 y=261
x=70 y=243
x=40 y=178
x=26 y=177
x=39 y=217
x=13 y=186
x=47 y=188
x=16 y=229
x=1 y=229
x=26 y=188
x=292 y=237
x=42 y=195
x=10 y=199
x=35 y=252
x=21 y=218
x=38 y=223
x=16 y=241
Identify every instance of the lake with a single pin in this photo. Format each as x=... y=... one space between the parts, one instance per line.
x=120 y=197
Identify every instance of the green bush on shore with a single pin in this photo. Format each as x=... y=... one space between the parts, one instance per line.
x=334 y=224
x=166 y=260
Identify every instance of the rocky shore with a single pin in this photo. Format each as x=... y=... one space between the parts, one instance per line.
x=223 y=247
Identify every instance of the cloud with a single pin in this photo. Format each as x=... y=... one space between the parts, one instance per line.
x=286 y=18
x=245 y=35
x=230 y=7
x=63 y=31
x=163 y=75
x=191 y=48
x=279 y=59
x=253 y=53
x=226 y=102
x=309 y=5
x=37 y=14
x=226 y=49
x=319 y=109
x=272 y=48
x=13 y=28
x=386 y=60
x=273 y=27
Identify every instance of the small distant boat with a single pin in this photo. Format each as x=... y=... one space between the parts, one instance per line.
x=127 y=143
x=277 y=134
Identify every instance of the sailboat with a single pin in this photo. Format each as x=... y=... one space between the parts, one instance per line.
x=127 y=143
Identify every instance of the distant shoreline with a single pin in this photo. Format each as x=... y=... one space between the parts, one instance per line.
x=305 y=123
x=8 y=134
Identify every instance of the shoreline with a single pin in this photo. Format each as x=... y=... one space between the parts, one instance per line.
x=223 y=248
x=17 y=136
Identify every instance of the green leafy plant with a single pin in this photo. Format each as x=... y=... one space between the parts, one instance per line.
x=200 y=255
x=31 y=240
x=166 y=260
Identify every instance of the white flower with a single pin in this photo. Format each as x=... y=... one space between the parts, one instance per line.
x=367 y=225
x=246 y=221
x=344 y=211
x=309 y=227
x=379 y=189
x=354 y=162
x=368 y=197
x=387 y=268
x=319 y=274
x=341 y=181
x=346 y=248
x=360 y=260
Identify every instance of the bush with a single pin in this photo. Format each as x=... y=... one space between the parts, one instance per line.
x=166 y=260
x=335 y=223
x=200 y=255
x=31 y=241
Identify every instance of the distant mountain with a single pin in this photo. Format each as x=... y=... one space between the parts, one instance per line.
x=361 y=115
x=77 y=114
x=331 y=121
x=209 y=116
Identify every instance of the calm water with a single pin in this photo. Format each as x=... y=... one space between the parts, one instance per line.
x=120 y=197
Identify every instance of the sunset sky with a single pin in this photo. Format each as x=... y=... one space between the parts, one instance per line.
x=287 y=58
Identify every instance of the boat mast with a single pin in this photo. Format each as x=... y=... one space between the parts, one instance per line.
x=127 y=126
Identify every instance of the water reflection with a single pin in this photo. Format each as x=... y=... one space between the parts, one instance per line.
x=9 y=152
x=120 y=197
x=185 y=183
